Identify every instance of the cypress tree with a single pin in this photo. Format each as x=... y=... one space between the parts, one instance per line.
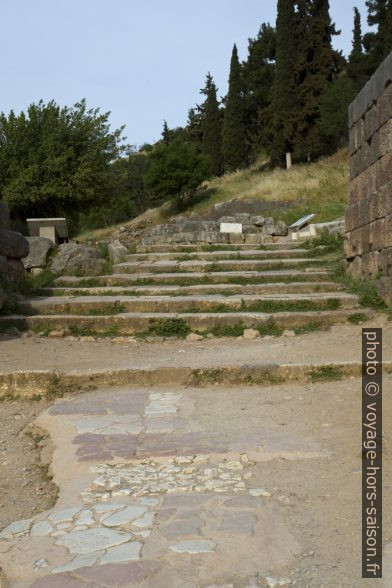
x=283 y=101
x=212 y=130
x=258 y=75
x=234 y=140
x=317 y=65
x=356 y=68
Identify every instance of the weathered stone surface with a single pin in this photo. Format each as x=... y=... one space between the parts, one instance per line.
x=4 y=216
x=13 y=245
x=117 y=252
x=120 y=553
x=90 y=540
x=78 y=259
x=39 y=249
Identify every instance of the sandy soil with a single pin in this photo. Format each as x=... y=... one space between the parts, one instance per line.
x=25 y=487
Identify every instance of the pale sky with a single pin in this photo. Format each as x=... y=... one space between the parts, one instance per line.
x=143 y=60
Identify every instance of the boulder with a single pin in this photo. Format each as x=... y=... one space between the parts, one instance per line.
x=257 y=220
x=3 y=266
x=78 y=259
x=16 y=270
x=275 y=228
x=39 y=249
x=226 y=219
x=117 y=252
x=13 y=244
x=4 y=216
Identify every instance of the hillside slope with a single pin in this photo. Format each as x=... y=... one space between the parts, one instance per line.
x=319 y=187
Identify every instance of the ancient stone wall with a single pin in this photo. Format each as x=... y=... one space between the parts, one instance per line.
x=368 y=245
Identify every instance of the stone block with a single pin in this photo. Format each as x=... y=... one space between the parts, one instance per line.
x=13 y=244
x=249 y=229
x=252 y=239
x=371 y=122
x=384 y=289
x=357 y=136
x=354 y=267
x=384 y=106
x=383 y=171
x=388 y=70
x=4 y=216
x=117 y=252
x=236 y=238
x=257 y=220
x=385 y=139
x=371 y=265
x=385 y=261
x=39 y=249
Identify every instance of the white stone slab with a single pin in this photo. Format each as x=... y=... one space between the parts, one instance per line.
x=230 y=228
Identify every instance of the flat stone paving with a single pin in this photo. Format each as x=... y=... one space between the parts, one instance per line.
x=199 y=488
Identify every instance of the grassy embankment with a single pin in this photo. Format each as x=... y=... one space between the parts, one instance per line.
x=319 y=187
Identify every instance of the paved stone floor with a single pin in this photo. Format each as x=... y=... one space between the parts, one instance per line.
x=198 y=488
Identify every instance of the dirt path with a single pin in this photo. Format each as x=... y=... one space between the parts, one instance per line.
x=39 y=353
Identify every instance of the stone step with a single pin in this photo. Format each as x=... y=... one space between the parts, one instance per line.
x=201 y=278
x=288 y=244
x=208 y=266
x=225 y=289
x=113 y=305
x=27 y=384
x=169 y=323
x=218 y=255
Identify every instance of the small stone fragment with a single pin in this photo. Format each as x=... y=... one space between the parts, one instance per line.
x=194 y=546
x=259 y=492
x=250 y=334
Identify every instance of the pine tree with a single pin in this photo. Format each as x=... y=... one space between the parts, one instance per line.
x=212 y=130
x=283 y=102
x=317 y=65
x=234 y=141
x=356 y=68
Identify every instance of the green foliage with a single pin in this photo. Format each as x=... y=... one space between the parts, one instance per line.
x=330 y=242
x=234 y=140
x=236 y=330
x=168 y=328
x=55 y=160
x=177 y=169
x=356 y=318
x=333 y=120
x=326 y=373
x=378 y=43
x=270 y=329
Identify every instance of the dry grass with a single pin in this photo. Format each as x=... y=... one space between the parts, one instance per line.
x=320 y=186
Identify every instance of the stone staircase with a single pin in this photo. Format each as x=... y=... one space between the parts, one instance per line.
x=167 y=293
